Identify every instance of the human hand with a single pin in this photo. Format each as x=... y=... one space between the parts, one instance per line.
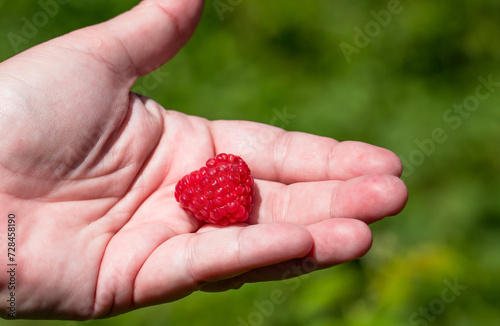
x=89 y=171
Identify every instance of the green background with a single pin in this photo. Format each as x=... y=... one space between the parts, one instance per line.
x=263 y=57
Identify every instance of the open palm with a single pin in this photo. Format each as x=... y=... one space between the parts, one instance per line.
x=89 y=171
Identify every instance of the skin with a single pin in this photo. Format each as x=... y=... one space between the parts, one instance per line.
x=89 y=170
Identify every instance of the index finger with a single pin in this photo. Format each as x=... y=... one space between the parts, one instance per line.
x=288 y=157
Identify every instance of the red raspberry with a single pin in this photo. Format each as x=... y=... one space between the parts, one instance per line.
x=220 y=192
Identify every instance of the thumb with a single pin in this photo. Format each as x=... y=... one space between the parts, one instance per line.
x=143 y=38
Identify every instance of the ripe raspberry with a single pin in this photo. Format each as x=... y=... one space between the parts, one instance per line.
x=220 y=192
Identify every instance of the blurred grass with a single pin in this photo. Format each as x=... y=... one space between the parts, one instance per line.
x=265 y=56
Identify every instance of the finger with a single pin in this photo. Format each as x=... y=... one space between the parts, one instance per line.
x=367 y=198
x=288 y=157
x=336 y=241
x=183 y=263
x=142 y=39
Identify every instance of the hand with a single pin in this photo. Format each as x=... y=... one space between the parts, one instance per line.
x=89 y=171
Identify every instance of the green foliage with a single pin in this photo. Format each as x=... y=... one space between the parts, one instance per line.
x=395 y=92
